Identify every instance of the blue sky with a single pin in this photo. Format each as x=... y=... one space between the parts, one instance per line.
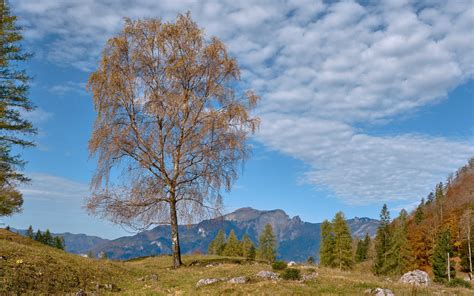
x=361 y=104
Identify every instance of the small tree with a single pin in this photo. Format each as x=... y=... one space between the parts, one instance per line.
x=399 y=256
x=48 y=238
x=439 y=260
x=362 y=250
x=39 y=236
x=30 y=233
x=90 y=255
x=326 y=250
x=217 y=246
x=342 y=242
x=59 y=242
x=232 y=246
x=103 y=255
x=310 y=260
x=171 y=115
x=267 y=244
x=247 y=246
x=382 y=242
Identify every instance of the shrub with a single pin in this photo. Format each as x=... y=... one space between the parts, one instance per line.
x=457 y=282
x=291 y=274
x=279 y=265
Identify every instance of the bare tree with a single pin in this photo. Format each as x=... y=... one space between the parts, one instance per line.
x=466 y=225
x=172 y=122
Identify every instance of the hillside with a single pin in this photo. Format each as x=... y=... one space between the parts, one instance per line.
x=297 y=240
x=28 y=267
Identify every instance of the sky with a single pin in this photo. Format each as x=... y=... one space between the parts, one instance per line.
x=363 y=102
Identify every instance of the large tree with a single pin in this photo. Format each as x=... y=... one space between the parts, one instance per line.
x=399 y=258
x=326 y=249
x=442 y=254
x=382 y=242
x=267 y=244
x=172 y=117
x=342 y=242
x=14 y=128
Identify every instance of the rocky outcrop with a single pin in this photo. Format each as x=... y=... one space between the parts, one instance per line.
x=416 y=277
x=205 y=282
x=268 y=275
x=379 y=292
x=238 y=280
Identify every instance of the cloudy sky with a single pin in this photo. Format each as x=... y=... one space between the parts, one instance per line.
x=363 y=102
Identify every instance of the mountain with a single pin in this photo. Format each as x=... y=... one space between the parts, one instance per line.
x=297 y=240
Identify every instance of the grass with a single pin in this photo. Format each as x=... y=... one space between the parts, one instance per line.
x=33 y=268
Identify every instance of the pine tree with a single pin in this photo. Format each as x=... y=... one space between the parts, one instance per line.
x=399 y=256
x=252 y=253
x=218 y=244
x=59 y=242
x=419 y=214
x=13 y=101
x=326 y=250
x=39 y=236
x=48 y=238
x=29 y=232
x=247 y=245
x=267 y=244
x=362 y=250
x=439 y=260
x=382 y=242
x=232 y=246
x=342 y=242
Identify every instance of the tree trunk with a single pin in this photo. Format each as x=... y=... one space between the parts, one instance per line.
x=174 y=235
x=470 y=250
x=449 y=269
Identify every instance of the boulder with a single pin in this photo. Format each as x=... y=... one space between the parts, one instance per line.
x=268 y=275
x=416 y=277
x=238 y=280
x=291 y=263
x=81 y=293
x=379 y=292
x=309 y=276
x=205 y=282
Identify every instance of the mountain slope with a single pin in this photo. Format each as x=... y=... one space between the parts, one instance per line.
x=297 y=240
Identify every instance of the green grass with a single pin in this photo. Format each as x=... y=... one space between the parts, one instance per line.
x=33 y=268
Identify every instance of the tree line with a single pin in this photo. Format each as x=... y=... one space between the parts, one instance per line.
x=46 y=238
x=232 y=246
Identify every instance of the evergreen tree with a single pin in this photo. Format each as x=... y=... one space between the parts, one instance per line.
x=362 y=250
x=232 y=247
x=48 y=238
x=30 y=233
x=218 y=244
x=252 y=253
x=399 y=256
x=247 y=245
x=439 y=260
x=39 y=236
x=326 y=250
x=419 y=214
x=59 y=242
x=13 y=101
x=90 y=255
x=382 y=242
x=267 y=244
x=430 y=198
x=342 y=242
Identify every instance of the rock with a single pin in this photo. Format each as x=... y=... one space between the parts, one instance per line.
x=238 y=280
x=309 y=276
x=416 y=277
x=291 y=263
x=379 y=292
x=205 y=282
x=268 y=275
x=81 y=293
x=108 y=287
x=149 y=277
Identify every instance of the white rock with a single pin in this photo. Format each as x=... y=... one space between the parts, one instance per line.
x=238 y=280
x=205 y=282
x=379 y=292
x=268 y=275
x=416 y=277
x=291 y=263
x=309 y=276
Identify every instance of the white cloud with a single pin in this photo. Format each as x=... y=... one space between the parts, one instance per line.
x=321 y=69
x=48 y=187
x=69 y=87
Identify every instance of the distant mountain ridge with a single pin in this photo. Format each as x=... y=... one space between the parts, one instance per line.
x=297 y=240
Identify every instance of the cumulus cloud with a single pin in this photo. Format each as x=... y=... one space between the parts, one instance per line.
x=322 y=69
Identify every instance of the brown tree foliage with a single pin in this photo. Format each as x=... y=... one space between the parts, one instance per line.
x=172 y=122
x=458 y=196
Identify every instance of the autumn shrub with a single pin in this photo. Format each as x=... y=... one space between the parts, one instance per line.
x=292 y=274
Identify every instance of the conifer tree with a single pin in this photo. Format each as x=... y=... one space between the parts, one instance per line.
x=399 y=256
x=326 y=250
x=362 y=250
x=90 y=255
x=439 y=260
x=342 y=242
x=29 y=232
x=382 y=241
x=267 y=244
x=58 y=242
x=48 y=238
x=232 y=245
x=13 y=101
x=252 y=253
x=39 y=236
x=247 y=245
x=218 y=244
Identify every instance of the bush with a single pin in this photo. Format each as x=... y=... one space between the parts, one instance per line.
x=279 y=265
x=291 y=274
x=457 y=282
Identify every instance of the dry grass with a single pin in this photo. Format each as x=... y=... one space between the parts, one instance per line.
x=45 y=270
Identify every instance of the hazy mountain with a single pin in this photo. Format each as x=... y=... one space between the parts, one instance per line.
x=297 y=240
